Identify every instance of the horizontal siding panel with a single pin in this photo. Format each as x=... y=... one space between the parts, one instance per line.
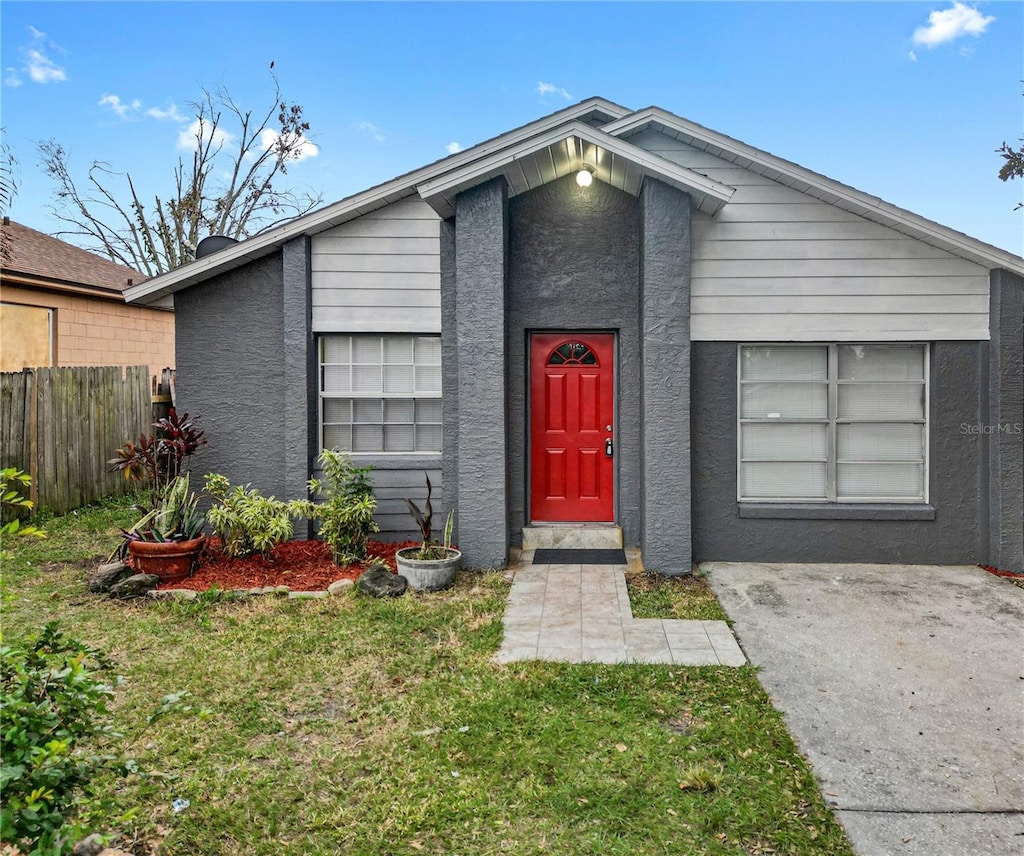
x=372 y=297
x=770 y=194
x=379 y=273
x=795 y=212
x=412 y=208
x=922 y=327
x=331 y=280
x=382 y=263
x=367 y=228
x=377 y=245
x=900 y=248
x=778 y=263
x=927 y=285
x=765 y=268
x=854 y=230
x=393 y=319
x=845 y=305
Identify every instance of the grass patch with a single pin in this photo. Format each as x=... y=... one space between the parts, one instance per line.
x=359 y=726
x=654 y=596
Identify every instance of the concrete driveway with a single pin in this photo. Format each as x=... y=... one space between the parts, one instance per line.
x=904 y=686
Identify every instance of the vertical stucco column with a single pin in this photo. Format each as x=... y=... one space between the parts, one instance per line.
x=1005 y=428
x=481 y=252
x=449 y=371
x=665 y=529
x=300 y=387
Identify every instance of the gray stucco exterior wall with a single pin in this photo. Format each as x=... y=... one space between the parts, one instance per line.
x=947 y=532
x=300 y=388
x=665 y=378
x=1003 y=427
x=573 y=266
x=481 y=487
x=229 y=341
x=449 y=369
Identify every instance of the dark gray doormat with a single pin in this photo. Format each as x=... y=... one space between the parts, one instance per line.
x=579 y=557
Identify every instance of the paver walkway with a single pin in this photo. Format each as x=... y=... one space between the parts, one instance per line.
x=581 y=613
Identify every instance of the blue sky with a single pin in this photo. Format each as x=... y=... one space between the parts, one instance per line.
x=906 y=101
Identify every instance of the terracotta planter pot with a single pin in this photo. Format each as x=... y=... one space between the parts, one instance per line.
x=427 y=574
x=169 y=560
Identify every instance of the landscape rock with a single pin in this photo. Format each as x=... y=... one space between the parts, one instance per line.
x=108 y=576
x=306 y=595
x=378 y=581
x=340 y=586
x=173 y=594
x=91 y=845
x=137 y=585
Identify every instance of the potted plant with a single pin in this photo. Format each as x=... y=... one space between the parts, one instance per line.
x=432 y=565
x=167 y=540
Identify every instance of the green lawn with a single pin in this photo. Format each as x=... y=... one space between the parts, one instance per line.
x=355 y=726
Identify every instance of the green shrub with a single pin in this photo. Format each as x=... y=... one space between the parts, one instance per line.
x=13 y=503
x=249 y=522
x=346 y=517
x=53 y=722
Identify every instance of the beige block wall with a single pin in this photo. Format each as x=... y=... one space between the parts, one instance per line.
x=97 y=332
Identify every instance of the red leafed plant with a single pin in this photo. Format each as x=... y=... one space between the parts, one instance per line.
x=161 y=457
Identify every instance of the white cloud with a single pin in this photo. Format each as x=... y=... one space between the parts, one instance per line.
x=950 y=24
x=371 y=129
x=188 y=137
x=913 y=56
x=35 y=62
x=40 y=68
x=453 y=147
x=305 y=149
x=544 y=89
x=118 y=106
x=170 y=113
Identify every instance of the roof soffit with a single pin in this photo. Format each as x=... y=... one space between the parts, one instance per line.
x=564 y=150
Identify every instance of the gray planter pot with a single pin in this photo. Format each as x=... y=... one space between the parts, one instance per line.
x=430 y=574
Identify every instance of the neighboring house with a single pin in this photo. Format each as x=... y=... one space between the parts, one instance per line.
x=718 y=351
x=61 y=305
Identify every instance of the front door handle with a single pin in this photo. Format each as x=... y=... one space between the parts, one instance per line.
x=608 y=449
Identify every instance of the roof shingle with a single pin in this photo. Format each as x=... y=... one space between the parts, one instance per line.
x=39 y=255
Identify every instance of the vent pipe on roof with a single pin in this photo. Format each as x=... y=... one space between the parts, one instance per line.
x=213 y=244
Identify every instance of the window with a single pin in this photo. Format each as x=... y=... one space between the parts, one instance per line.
x=833 y=423
x=380 y=393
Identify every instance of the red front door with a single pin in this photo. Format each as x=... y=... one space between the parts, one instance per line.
x=572 y=388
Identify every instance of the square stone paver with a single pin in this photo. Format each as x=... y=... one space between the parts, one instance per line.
x=576 y=614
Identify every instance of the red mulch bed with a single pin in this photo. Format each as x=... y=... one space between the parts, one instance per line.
x=300 y=565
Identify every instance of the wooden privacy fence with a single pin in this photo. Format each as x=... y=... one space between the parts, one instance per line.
x=62 y=425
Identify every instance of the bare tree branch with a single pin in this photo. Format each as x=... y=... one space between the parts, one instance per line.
x=227 y=187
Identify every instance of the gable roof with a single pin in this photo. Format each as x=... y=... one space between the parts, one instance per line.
x=44 y=261
x=594 y=132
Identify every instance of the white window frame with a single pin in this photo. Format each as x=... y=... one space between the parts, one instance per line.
x=832 y=420
x=324 y=396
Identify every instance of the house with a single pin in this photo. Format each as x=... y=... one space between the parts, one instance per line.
x=61 y=305
x=696 y=346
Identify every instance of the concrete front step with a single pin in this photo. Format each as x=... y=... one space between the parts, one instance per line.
x=572 y=536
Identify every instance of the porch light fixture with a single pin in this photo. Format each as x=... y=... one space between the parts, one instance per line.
x=585 y=177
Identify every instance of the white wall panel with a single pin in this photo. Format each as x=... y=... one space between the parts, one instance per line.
x=380 y=273
x=777 y=264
